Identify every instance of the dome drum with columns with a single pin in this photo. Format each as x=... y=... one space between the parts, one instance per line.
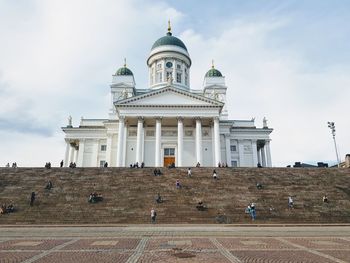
x=168 y=122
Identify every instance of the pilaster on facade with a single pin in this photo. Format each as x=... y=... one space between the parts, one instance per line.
x=228 y=149
x=109 y=148
x=255 y=153
x=94 y=156
x=241 y=153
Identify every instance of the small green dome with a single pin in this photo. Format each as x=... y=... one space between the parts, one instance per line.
x=169 y=40
x=213 y=72
x=124 y=71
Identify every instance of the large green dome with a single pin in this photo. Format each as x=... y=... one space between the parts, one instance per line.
x=213 y=72
x=124 y=71
x=169 y=40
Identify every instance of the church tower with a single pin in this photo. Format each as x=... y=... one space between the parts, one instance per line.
x=169 y=58
x=214 y=87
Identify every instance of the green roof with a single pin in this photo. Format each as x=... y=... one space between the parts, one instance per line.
x=169 y=40
x=213 y=73
x=124 y=71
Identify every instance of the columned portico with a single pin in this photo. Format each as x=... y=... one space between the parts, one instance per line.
x=180 y=138
x=217 y=146
x=139 y=140
x=119 y=162
x=158 y=142
x=199 y=140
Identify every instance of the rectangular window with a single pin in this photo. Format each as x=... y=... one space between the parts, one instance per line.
x=103 y=148
x=178 y=66
x=186 y=80
x=168 y=75
x=159 y=77
x=178 y=77
x=233 y=148
x=234 y=163
x=159 y=66
x=102 y=163
x=169 y=151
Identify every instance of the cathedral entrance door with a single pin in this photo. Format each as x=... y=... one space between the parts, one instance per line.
x=169 y=156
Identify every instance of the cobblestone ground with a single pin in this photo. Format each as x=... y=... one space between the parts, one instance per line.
x=177 y=244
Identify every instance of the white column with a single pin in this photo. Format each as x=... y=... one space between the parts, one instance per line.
x=75 y=158
x=125 y=137
x=241 y=153
x=255 y=153
x=109 y=148
x=139 y=141
x=66 y=156
x=158 y=142
x=71 y=154
x=81 y=153
x=199 y=141
x=259 y=156
x=143 y=144
x=263 y=157
x=228 y=149
x=120 y=142
x=268 y=154
x=217 y=141
x=94 y=154
x=180 y=138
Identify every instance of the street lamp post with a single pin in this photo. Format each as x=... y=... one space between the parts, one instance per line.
x=332 y=127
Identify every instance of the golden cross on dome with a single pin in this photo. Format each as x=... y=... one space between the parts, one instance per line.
x=169 y=26
x=125 y=62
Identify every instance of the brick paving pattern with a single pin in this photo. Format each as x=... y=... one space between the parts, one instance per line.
x=132 y=246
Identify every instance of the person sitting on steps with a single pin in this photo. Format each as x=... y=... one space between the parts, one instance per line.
x=159 y=199
x=49 y=185
x=259 y=186
x=200 y=206
x=178 y=184
x=215 y=176
x=325 y=199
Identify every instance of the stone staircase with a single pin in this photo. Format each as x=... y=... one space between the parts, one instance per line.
x=129 y=195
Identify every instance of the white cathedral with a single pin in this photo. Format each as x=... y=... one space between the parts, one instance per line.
x=168 y=122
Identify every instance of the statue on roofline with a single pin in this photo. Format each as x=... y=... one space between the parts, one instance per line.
x=265 y=123
x=69 y=121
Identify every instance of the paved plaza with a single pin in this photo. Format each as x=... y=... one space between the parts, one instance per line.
x=199 y=243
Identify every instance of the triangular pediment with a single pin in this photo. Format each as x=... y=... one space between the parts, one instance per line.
x=169 y=96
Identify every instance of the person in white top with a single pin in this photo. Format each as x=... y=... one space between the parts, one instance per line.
x=290 y=202
x=215 y=176
x=189 y=172
x=153 y=215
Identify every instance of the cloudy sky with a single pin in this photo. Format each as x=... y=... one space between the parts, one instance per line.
x=286 y=60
